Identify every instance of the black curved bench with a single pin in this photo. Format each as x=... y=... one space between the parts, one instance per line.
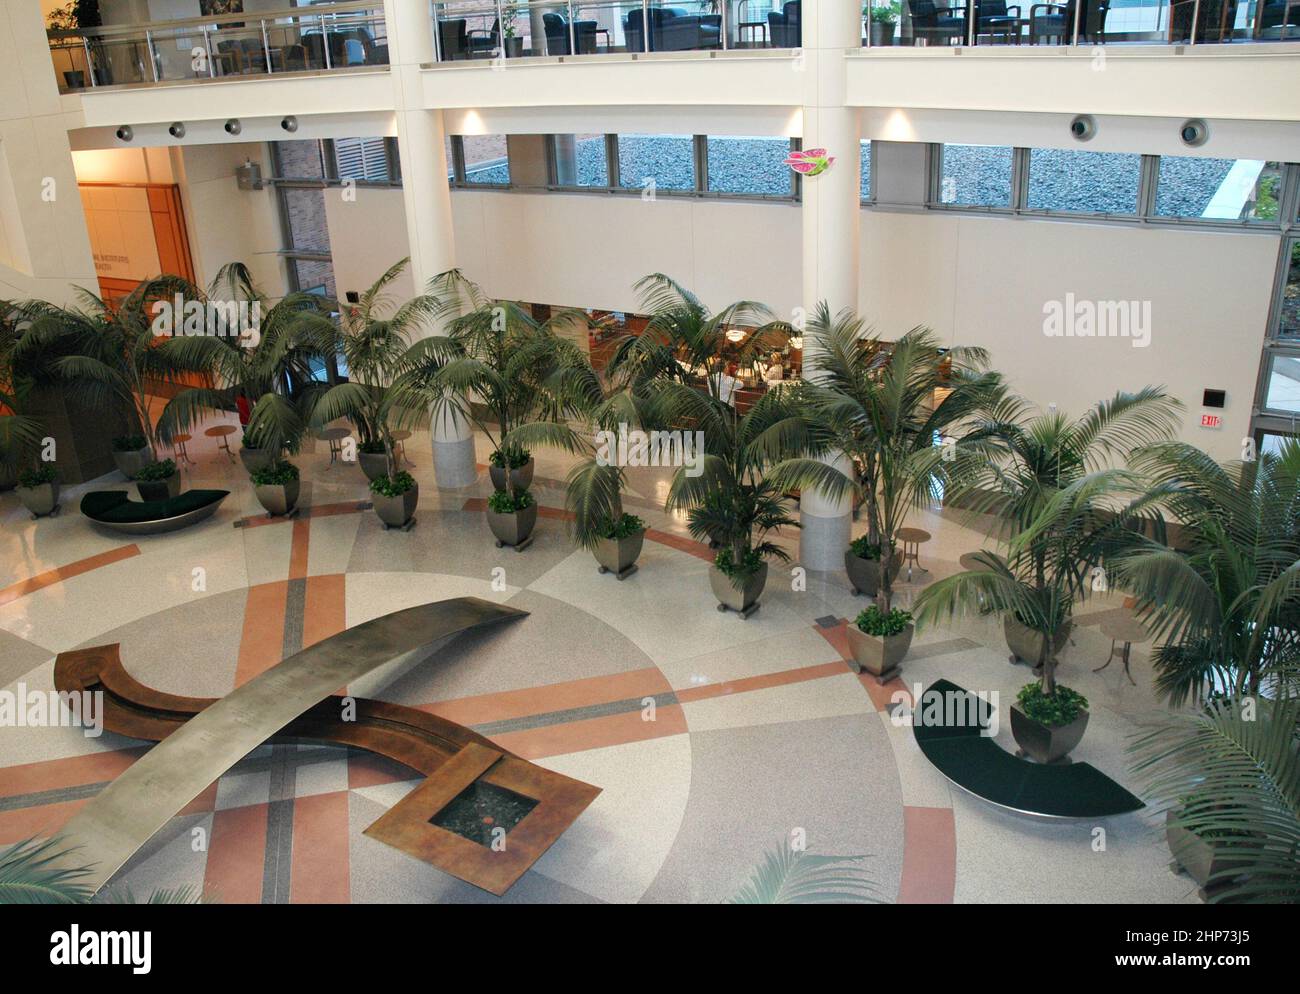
x=978 y=765
x=116 y=510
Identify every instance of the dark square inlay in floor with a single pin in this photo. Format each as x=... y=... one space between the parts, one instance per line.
x=481 y=808
x=828 y=621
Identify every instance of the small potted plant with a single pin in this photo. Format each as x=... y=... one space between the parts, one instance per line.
x=512 y=517
x=1048 y=726
x=514 y=46
x=521 y=465
x=738 y=586
x=276 y=488
x=862 y=563
x=395 y=498
x=882 y=17
x=618 y=548
x=879 y=640
x=373 y=459
x=131 y=453
x=158 y=481
x=38 y=489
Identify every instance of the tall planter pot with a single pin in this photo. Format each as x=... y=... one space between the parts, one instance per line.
x=1202 y=858
x=881 y=34
x=513 y=528
x=743 y=601
x=520 y=478
x=256 y=459
x=130 y=463
x=1026 y=644
x=373 y=464
x=864 y=574
x=159 y=489
x=399 y=511
x=1046 y=743
x=881 y=656
x=619 y=555
x=40 y=500
x=278 y=499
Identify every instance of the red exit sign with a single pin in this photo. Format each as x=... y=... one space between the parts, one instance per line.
x=1211 y=421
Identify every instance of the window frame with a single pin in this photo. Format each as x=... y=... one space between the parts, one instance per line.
x=934 y=192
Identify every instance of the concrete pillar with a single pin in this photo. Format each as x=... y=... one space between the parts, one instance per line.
x=831 y=228
x=421 y=143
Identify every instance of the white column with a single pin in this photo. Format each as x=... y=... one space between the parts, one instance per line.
x=421 y=144
x=831 y=227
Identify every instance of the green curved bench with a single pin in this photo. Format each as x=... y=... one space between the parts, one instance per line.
x=116 y=510
x=978 y=765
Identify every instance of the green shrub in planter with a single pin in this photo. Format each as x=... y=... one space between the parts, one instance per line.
x=129 y=443
x=627 y=525
x=876 y=622
x=725 y=561
x=38 y=477
x=502 y=502
x=280 y=474
x=393 y=486
x=1052 y=710
x=155 y=472
x=864 y=549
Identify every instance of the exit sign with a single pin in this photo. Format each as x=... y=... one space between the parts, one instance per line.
x=1211 y=421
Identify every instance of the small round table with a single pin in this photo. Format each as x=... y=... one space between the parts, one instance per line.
x=179 y=450
x=912 y=539
x=334 y=436
x=223 y=432
x=1126 y=629
x=399 y=448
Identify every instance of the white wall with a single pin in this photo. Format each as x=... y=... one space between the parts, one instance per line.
x=227 y=224
x=984 y=281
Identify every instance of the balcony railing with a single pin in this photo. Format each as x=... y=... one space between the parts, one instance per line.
x=318 y=38
x=1082 y=22
x=500 y=29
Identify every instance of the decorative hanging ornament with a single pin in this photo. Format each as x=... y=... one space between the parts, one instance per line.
x=810 y=162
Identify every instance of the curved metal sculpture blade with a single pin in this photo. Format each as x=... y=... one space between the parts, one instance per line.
x=205 y=738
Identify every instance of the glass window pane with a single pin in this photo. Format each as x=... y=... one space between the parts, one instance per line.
x=301 y=159
x=866 y=170
x=1273 y=443
x=580 y=160
x=667 y=160
x=975 y=175
x=305 y=212
x=451 y=160
x=314 y=276
x=1218 y=189
x=1289 y=315
x=1084 y=182
x=486 y=163
x=749 y=165
x=1284 y=384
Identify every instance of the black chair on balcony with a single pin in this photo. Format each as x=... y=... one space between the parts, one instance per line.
x=673 y=30
x=994 y=17
x=558 y=41
x=485 y=44
x=786 y=25
x=937 y=25
x=1054 y=22
x=453 y=39
x=1213 y=24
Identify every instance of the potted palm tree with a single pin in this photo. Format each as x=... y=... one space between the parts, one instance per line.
x=879 y=640
x=526 y=381
x=276 y=488
x=386 y=372
x=108 y=356
x=38 y=489
x=882 y=17
x=1224 y=607
x=1067 y=514
x=882 y=405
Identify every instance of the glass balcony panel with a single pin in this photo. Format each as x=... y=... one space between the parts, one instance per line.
x=931 y=22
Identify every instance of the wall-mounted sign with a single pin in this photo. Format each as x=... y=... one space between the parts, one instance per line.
x=810 y=162
x=1211 y=421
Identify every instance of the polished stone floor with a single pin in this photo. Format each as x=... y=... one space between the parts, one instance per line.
x=714 y=740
